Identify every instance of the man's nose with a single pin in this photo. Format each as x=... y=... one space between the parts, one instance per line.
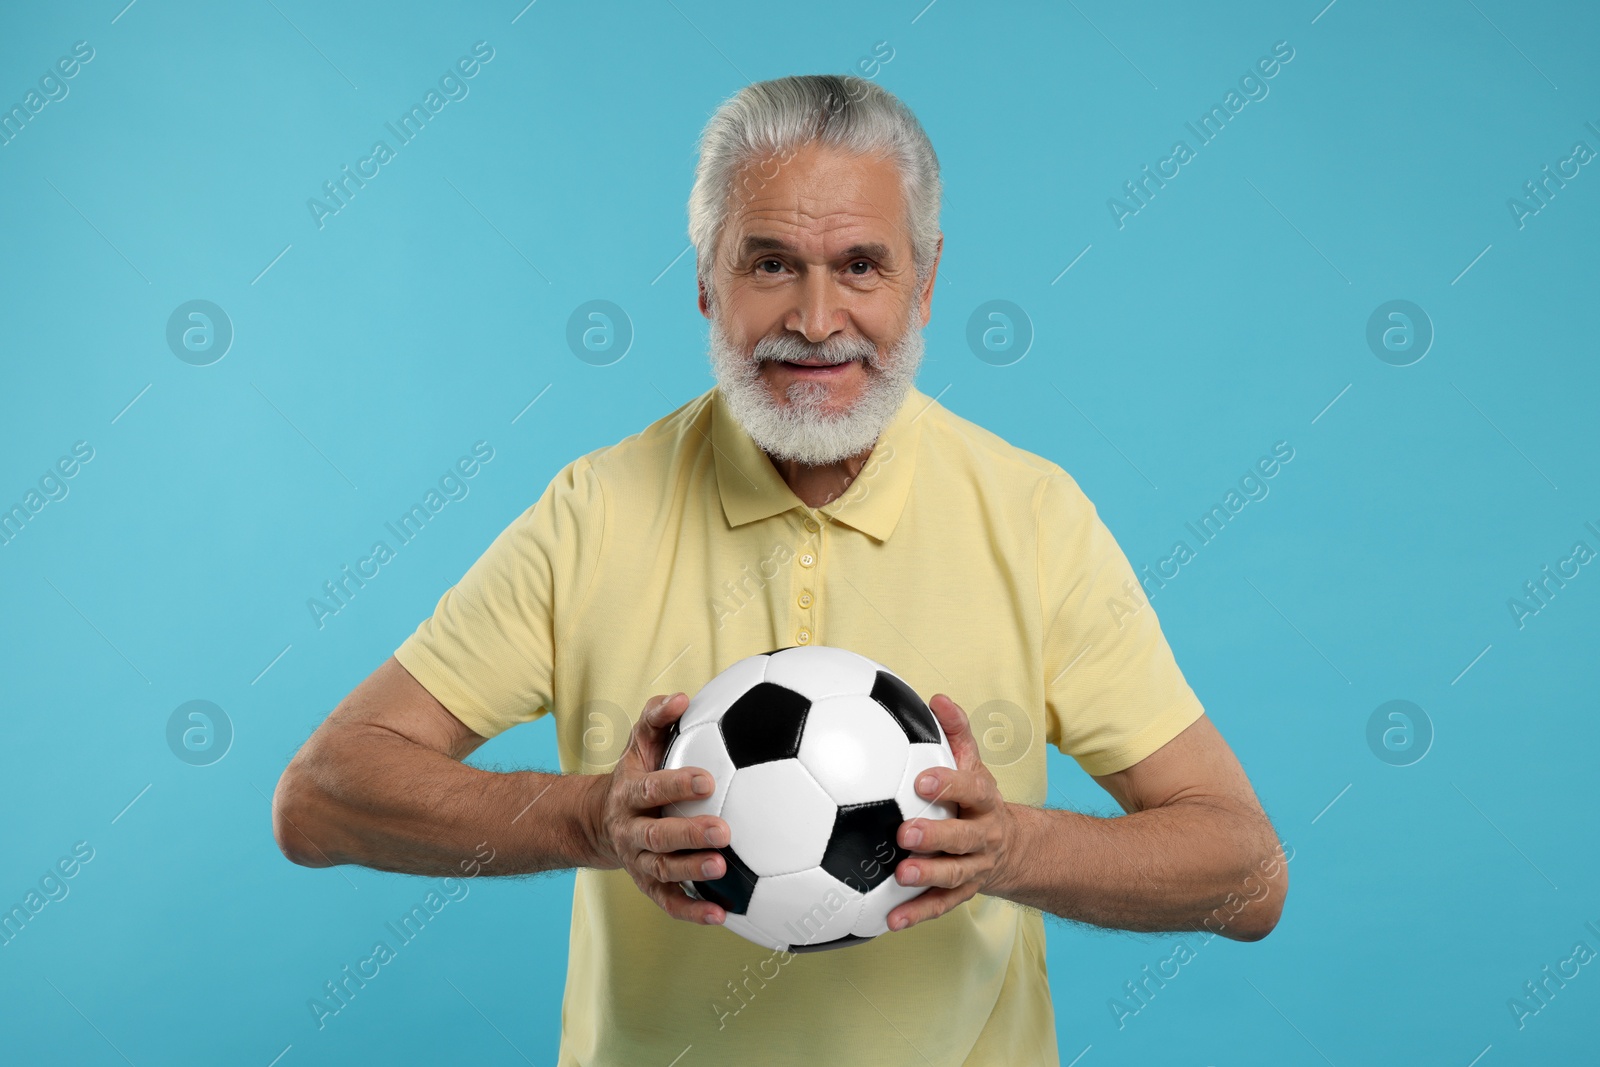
x=819 y=312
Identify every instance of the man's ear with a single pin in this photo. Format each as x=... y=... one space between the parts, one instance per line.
x=925 y=298
x=705 y=298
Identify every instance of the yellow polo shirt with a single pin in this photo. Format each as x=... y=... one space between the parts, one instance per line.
x=966 y=565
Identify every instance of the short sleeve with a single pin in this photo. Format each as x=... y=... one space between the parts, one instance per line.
x=487 y=653
x=1113 y=692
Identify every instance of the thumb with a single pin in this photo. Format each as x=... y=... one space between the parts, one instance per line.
x=957 y=730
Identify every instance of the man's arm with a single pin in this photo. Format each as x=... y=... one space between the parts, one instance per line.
x=1194 y=844
x=381 y=784
x=1194 y=851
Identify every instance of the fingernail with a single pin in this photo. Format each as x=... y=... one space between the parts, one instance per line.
x=716 y=836
x=709 y=868
x=913 y=837
x=911 y=876
x=927 y=783
x=898 y=924
x=714 y=919
x=702 y=783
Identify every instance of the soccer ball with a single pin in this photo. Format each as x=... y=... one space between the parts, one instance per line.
x=815 y=752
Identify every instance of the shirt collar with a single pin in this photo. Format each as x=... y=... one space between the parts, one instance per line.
x=751 y=487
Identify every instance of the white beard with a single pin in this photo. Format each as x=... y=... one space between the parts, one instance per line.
x=803 y=429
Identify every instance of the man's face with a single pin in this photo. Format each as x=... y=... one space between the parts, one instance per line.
x=816 y=314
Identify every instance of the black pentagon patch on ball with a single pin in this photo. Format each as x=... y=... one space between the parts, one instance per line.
x=901 y=701
x=862 y=853
x=838 y=942
x=765 y=724
x=732 y=891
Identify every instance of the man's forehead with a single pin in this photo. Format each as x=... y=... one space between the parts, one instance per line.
x=835 y=235
x=820 y=195
x=804 y=224
x=817 y=205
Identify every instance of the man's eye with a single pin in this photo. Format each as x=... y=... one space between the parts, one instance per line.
x=764 y=262
x=861 y=263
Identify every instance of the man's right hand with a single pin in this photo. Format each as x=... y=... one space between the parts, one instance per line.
x=628 y=830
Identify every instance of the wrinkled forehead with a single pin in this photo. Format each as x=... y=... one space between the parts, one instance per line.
x=821 y=203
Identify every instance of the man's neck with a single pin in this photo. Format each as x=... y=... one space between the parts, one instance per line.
x=817 y=485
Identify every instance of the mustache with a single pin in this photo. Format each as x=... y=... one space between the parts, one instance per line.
x=789 y=348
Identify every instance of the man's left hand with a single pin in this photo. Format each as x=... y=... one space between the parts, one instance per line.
x=970 y=850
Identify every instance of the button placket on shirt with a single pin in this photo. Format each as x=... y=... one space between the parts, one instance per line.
x=808 y=566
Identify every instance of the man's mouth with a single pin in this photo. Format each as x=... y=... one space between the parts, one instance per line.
x=813 y=364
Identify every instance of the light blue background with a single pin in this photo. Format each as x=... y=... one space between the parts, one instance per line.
x=1223 y=317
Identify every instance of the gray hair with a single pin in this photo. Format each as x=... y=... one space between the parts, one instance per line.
x=770 y=121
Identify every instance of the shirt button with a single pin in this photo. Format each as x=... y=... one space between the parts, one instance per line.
x=804 y=637
x=805 y=600
x=807 y=559
x=811 y=525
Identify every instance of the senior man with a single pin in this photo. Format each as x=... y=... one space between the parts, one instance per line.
x=814 y=496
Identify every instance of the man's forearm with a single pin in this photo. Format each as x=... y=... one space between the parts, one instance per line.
x=414 y=811
x=1184 y=866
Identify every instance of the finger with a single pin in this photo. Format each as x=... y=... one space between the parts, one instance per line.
x=652 y=789
x=957 y=729
x=650 y=834
x=938 y=872
x=647 y=739
x=680 y=905
x=955 y=836
x=930 y=905
x=675 y=867
x=634 y=754
x=973 y=789
x=663 y=712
